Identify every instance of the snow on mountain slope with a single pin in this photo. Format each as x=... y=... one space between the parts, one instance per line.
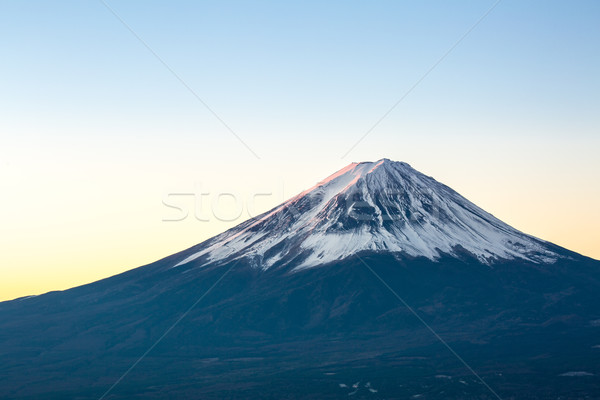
x=382 y=206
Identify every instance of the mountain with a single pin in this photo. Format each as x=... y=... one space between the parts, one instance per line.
x=378 y=282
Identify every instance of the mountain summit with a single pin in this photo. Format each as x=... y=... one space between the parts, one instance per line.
x=383 y=206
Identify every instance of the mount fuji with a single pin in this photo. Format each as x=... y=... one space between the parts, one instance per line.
x=379 y=282
x=379 y=206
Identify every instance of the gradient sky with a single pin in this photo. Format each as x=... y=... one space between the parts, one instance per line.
x=96 y=132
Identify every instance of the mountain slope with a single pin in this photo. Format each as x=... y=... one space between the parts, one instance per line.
x=284 y=306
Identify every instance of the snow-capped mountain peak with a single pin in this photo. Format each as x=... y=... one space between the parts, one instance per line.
x=383 y=206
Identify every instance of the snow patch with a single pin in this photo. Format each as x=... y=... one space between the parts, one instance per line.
x=577 y=373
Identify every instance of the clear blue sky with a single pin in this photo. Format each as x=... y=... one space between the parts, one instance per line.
x=307 y=67
x=95 y=130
